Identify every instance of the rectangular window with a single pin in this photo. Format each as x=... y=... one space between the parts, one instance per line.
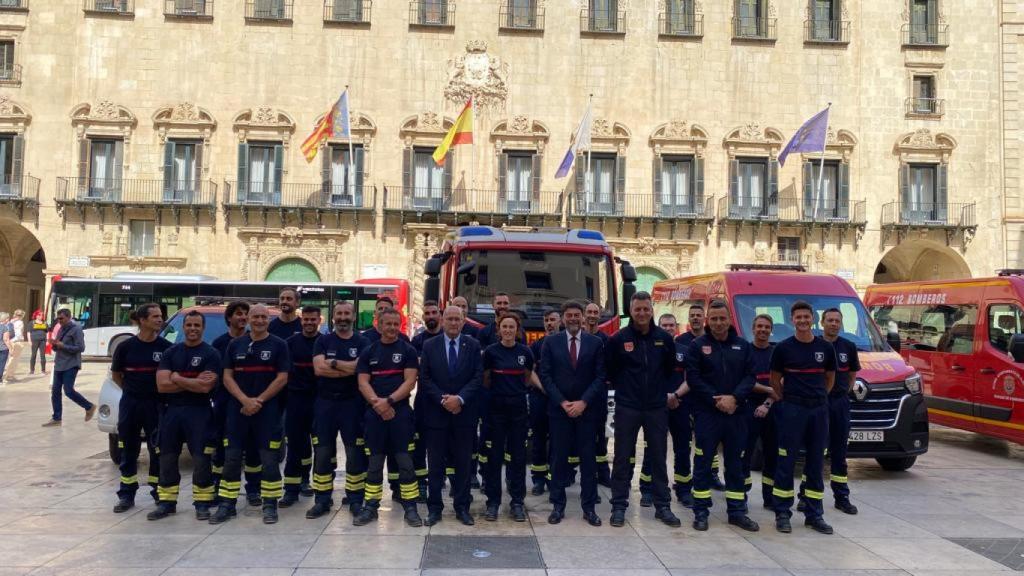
x=7 y=187
x=141 y=237
x=921 y=204
x=604 y=15
x=789 y=249
x=680 y=17
x=262 y=173
x=181 y=171
x=272 y=9
x=600 y=186
x=522 y=14
x=957 y=327
x=924 y=95
x=823 y=201
x=519 y=181
x=347 y=11
x=433 y=12
x=104 y=176
x=753 y=177
x=676 y=194
x=1004 y=321
x=825 y=20
x=924 y=18
x=190 y=7
x=428 y=181
x=346 y=175
x=7 y=60
x=750 y=21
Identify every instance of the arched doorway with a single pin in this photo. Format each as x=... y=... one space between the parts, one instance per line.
x=921 y=260
x=646 y=277
x=23 y=284
x=293 y=270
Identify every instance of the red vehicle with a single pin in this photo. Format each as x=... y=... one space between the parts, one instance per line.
x=539 y=269
x=889 y=419
x=400 y=294
x=963 y=337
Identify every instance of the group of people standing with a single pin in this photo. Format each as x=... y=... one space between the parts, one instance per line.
x=15 y=336
x=454 y=399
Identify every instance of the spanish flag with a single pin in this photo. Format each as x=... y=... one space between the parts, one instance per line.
x=460 y=133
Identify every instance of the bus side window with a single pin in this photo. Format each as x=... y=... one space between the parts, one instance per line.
x=1004 y=320
x=958 y=337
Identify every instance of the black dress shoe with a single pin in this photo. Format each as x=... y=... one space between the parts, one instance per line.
x=432 y=518
x=745 y=523
x=319 y=509
x=592 y=518
x=160 y=512
x=518 y=513
x=306 y=490
x=288 y=499
x=818 y=525
x=700 y=524
x=491 y=514
x=846 y=506
x=668 y=518
x=556 y=516
x=782 y=524
x=618 y=518
x=124 y=505
x=465 y=517
x=646 y=499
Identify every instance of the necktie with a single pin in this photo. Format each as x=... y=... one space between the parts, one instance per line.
x=453 y=357
x=572 y=352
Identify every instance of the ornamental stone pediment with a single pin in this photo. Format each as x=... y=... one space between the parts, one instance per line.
x=479 y=75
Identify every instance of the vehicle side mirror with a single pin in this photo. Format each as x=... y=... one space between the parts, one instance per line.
x=432 y=267
x=893 y=339
x=628 y=273
x=628 y=290
x=465 y=267
x=431 y=288
x=1017 y=347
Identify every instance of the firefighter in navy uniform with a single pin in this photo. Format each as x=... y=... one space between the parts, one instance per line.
x=720 y=373
x=432 y=327
x=540 y=468
x=298 y=419
x=847 y=366
x=236 y=316
x=372 y=334
x=134 y=368
x=760 y=421
x=803 y=372
x=338 y=409
x=188 y=372
x=255 y=371
x=288 y=323
x=387 y=372
x=640 y=359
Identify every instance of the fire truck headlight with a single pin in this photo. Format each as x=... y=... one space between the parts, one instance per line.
x=914 y=384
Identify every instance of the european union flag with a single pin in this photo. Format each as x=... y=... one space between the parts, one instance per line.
x=809 y=138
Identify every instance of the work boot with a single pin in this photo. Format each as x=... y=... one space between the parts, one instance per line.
x=253 y=499
x=319 y=509
x=412 y=516
x=288 y=499
x=646 y=499
x=123 y=505
x=203 y=512
x=618 y=518
x=846 y=506
x=818 y=525
x=306 y=490
x=538 y=488
x=801 y=506
x=491 y=514
x=225 y=512
x=518 y=513
x=366 y=515
x=668 y=518
x=782 y=524
x=270 y=512
x=355 y=506
x=700 y=524
x=745 y=523
x=161 y=511
x=685 y=498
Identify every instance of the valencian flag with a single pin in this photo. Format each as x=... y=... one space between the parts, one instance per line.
x=580 y=141
x=334 y=124
x=809 y=138
x=460 y=133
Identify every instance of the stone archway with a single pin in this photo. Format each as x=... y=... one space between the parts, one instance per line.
x=23 y=286
x=921 y=260
x=293 y=270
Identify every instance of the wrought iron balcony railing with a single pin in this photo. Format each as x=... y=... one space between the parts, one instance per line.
x=23 y=188
x=828 y=211
x=114 y=7
x=925 y=106
x=827 y=31
x=136 y=192
x=750 y=28
x=681 y=24
x=195 y=9
x=926 y=35
x=644 y=206
x=13 y=5
x=758 y=208
x=520 y=15
x=347 y=11
x=313 y=196
x=602 y=21
x=439 y=13
x=10 y=75
x=268 y=10
x=929 y=214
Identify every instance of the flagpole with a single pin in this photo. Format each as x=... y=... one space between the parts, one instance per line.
x=351 y=154
x=472 y=148
x=818 y=192
x=588 y=183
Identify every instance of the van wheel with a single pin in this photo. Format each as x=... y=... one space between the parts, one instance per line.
x=896 y=464
x=112 y=348
x=757 y=457
x=113 y=448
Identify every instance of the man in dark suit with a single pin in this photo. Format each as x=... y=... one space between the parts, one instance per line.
x=451 y=376
x=572 y=373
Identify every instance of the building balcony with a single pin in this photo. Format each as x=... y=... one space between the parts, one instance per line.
x=268 y=11
x=118 y=194
x=827 y=31
x=432 y=13
x=758 y=209
x=925 y=35
x=638 y=209
x=261 y=198
x=925 y=107
x=524 y=16
x=189 y=9
x=19 y=192
x=754 y=29
x=831 y=213
x=10 y=75
x=600 y=22
x=13 y=5
x=951 y=217
x=347 y=12
x=680 y=25
x=110 y=7
x=463 y=205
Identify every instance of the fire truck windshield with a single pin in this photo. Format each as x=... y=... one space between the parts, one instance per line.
x=534 y=281
x=857 y=326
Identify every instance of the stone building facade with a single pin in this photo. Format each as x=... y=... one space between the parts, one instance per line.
x=164 y=135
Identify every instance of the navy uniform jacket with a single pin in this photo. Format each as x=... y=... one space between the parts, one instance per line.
x=714 y=368
x=562 y=382
x=435 y=381
x=302 y=377
x=639 y=366
x=386 y=364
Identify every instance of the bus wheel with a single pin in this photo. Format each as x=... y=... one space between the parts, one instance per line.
x=113 y=448
x=896 y=464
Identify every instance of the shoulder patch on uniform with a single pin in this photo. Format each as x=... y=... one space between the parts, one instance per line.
x=843 y=357
x=264 y=354
x=627 y=346
x=353 y=352
x=157 y=356
x=706 y=350
x=819 y=357
x=396 y=358
x=196 y=360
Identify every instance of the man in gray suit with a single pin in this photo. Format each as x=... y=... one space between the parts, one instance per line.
x=68 y=344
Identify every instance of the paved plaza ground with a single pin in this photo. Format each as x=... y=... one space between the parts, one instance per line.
x=957 y=512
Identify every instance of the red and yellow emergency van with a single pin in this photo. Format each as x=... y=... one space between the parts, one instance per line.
x=957 y=334
x=889 y=421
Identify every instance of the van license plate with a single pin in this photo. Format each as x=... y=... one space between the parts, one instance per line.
x=867 y=436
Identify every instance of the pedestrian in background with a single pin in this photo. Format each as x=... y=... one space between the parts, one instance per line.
x=68 y=343
x=16 y=345
x=37 y=336
x=6 y=337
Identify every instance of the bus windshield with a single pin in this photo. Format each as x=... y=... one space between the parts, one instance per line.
x=857 y=326
x=535 y=281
